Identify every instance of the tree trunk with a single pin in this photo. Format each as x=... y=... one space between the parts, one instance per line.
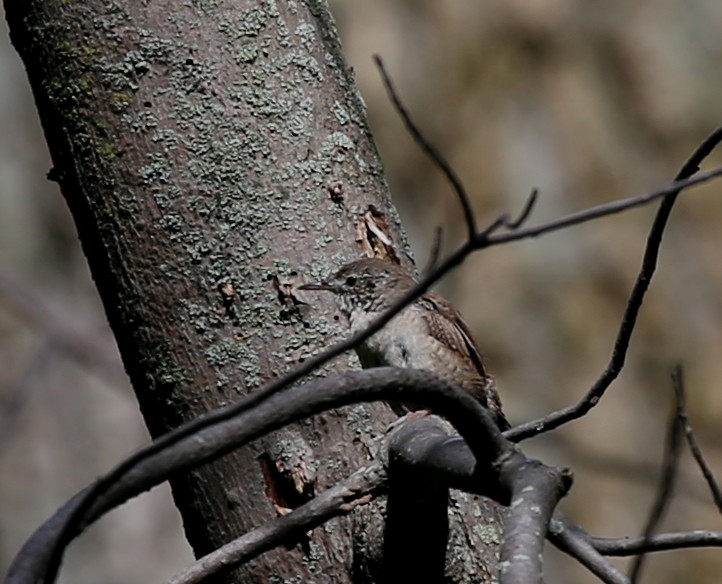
x=209 y=151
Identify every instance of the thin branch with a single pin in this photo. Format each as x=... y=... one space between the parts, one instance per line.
x=358 y=489
x=434 y=252
x=662 y=542
x=604 y=210
x=670 y=466
x=516 y=223
x=680 y=395
x=649 y=263
x=573 y=540
x=430 y=150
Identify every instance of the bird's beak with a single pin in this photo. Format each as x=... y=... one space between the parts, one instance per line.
x=319 y=286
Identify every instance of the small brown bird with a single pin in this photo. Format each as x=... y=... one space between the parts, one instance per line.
x=429 y=334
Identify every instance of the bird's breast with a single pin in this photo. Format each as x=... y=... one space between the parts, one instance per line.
x=398 y=344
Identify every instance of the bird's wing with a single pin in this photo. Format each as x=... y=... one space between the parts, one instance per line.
x=438 y=312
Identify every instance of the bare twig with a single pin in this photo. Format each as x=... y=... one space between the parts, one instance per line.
x=649 y=263
x=662 y=542
x=603 y=210
x=445 y=167
x=680 y=394
x=358 y=489
x=517 y=222
x=670 y=466
x=576 y=542
x=430 y=150
x=434 y=253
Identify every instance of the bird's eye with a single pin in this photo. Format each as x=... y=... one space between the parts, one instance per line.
x=351 y=281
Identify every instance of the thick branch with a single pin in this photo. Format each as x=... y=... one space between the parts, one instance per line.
x=417 y=524
x=195 y=146
x=431 y=456
x=427 y=445
x=536 y=491
x=152 y=465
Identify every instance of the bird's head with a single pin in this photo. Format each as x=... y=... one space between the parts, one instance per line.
x=368 y=284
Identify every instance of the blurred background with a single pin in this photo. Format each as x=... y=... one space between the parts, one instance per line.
x=589 y=102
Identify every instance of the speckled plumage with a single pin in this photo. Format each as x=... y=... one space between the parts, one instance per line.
x=429 y=334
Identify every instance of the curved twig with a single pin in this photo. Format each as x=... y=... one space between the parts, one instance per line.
x=649 y=264
x=430 y=150
x=517 y=222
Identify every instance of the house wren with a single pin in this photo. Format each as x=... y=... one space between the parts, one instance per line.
x=429 y=334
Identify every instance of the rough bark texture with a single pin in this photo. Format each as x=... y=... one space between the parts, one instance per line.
x=198 y=145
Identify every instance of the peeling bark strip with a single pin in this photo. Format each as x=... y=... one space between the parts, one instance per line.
x=374 y=236
x=194 y=144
